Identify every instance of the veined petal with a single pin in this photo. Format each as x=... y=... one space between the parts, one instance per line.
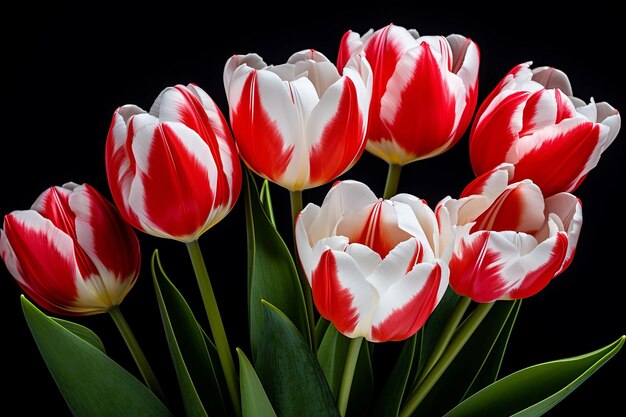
x=383 y=49
x=568 y=209
x=496 y=130
x=557 y=157
x=546 y=108
x=375 y=226
x=177 y=181
x=337 y=117
x=41 y=258
x=342 y=295
x=264 y=121
x=110 y=243
x=540 y=266
x=406 y=306
x=485 y=265
x=235 y=61
x=423 y=103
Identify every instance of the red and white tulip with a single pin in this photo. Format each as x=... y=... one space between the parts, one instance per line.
x=424 y=94
x=532 y=120
x=509 y=241
x=377 y=268
x=174 y=172
x=71 y=252
x=300 y=124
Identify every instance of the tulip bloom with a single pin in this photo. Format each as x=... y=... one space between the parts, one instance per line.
x=71 y=252
x=174 y=172
x=532 y=121
x=377 y=268
x=424 y=94
x=510 y=241
x=299 y=124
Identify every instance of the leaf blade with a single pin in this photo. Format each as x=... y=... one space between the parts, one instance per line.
x=254 y=401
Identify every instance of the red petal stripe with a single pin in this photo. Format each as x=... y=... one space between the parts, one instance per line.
x=258 y=138
x=342 y=141
x=177 y=191
x=333 y=301
x=425 y=117
x=403 y=322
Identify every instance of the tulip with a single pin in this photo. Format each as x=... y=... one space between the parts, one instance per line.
x=377 y=268
x=532 y=120
x=510 y=241
x=299 y=124
x=174 y=171
x=71 y=252
x=424 y=90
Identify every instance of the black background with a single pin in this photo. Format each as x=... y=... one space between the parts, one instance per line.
x=68 y=68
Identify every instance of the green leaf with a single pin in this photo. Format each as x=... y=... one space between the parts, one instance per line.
x=272 y=275
x=91 y=382
x=432 y=330
x=254 y=401
x=390 y=398
x=320 y=330
x=82 y=332
x=197 y=378
x=266 y=201
x=332 y=355
x=477 y=363
x=293 y=380
x=535 y=390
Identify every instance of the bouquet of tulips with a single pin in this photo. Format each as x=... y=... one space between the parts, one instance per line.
x=441 y=283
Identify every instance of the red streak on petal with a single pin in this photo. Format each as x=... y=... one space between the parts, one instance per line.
x=342 y=141
x=333 y=301
x=405 y=321
x=258 y=138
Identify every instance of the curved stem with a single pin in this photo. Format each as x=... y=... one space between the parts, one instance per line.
x=444 y=337
x=136 y=352
x=215 y=322
x=393 y=178
x=348 y=374
x=455 y=346
x=295 y=198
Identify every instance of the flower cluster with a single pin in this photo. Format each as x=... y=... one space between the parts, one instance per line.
x=370 y=268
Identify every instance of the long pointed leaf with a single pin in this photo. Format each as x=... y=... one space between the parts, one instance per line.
x=91 y=382
x=471 y=360
x=196 y=374
x=266 y=201
x=535 y=390
x=254 y=401
x=81 y=331
x=390 y=398
x=293 y=380
x=272 y=275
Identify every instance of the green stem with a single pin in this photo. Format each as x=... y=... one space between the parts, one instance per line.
x=444 y=338
x=215 y=322
x=393 y=178
x=348 y=374
x=460 y=338
x=135 y=350
x=295 y=198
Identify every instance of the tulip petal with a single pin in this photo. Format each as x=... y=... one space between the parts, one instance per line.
x=341 y=293
x=417 y=219
x=610 y=117
x=396 y=265
x=175 y=182
x=264 y=121
x=421 y=82
x=41 y=258
x=568 y=208
x=337 y=116
x=110 y=243
x=465 y=64
x=235 y=61
x=351 y=44
x=557 y=157
x=406 y=306
x=546 y=108
x=540 y=265
x=484 y=265
x=550 y=78
x=496 y=130
x=384 y=49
